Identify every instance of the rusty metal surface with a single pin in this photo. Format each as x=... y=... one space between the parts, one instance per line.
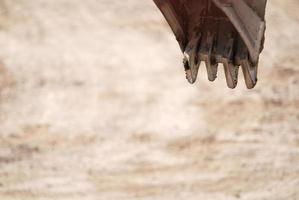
x=230 y=32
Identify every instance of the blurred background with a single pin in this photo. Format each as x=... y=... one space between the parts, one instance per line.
x=94 y=105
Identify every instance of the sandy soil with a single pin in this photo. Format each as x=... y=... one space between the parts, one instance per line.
x=94 y=105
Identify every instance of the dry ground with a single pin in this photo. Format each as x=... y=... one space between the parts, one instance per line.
x=94 y=105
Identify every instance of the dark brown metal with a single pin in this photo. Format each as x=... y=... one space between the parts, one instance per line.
x=230 y=32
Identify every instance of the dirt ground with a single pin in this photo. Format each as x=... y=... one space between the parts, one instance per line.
x=94 y=105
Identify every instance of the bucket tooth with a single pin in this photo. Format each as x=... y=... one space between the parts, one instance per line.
x=191 y=62
x=206 y=50
x=225 y=53
x=241 y=53
x=250 y=74
x=231 y=74
x=212 y=69
x=231 y=70
x=249 y=70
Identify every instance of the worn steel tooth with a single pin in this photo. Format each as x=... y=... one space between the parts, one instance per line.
x=231 y=71
x=224 y=53
x=205 y=51
x=212 y=70
x=191 y=62
x=231 y=74
x=249 y=70
x=250 y=74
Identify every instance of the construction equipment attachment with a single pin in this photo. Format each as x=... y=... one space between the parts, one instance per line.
x=230 y=32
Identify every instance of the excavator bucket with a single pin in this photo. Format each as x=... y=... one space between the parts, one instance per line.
x=230 y=32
